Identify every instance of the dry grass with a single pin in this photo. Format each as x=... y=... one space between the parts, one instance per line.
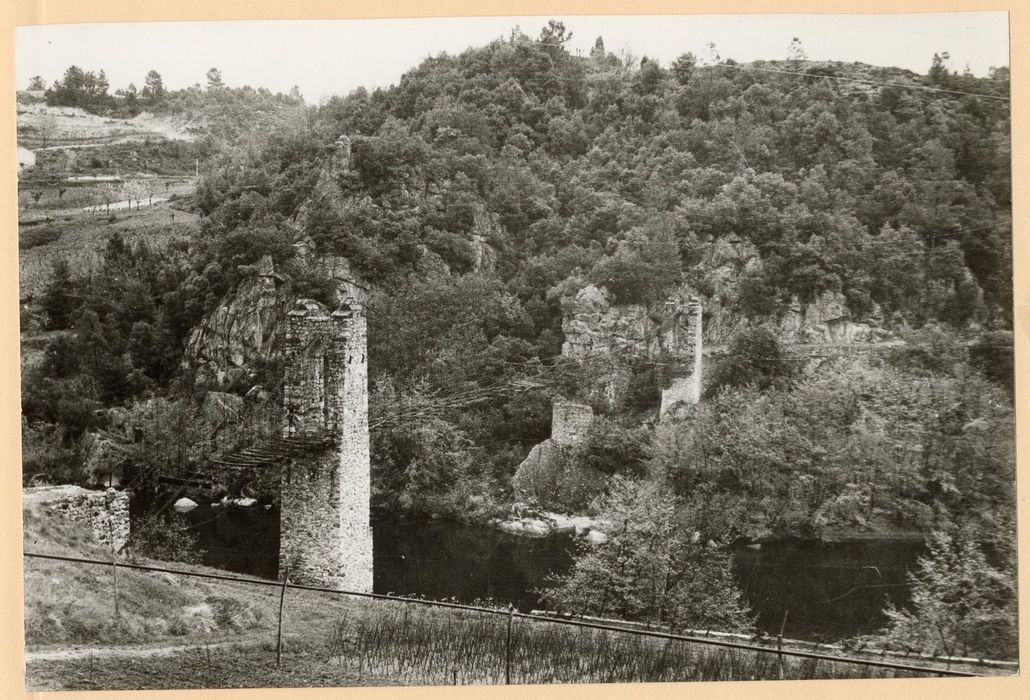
x=416 y=645
x=375 y=643
x=69 y=604
x=330 y=640
x=76 y=127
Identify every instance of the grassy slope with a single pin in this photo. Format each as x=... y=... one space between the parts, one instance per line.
x=222 y=634
x=80 y=237
x=69 y=604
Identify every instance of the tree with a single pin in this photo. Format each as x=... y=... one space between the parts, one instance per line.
x=154 y=89
x=107 y=192
x=938 y=72
x=214 y=79
x=961 y=605
x=131 y=97
x=754 y=357
x=683 y=68
x=134 y=191
x=36 y=82
x=555 y=34
x=60 y=300
x=150 y=186
x=102 y=84
x=46 y=127
x=796 y=53
x=643 y=268
x=650 y=568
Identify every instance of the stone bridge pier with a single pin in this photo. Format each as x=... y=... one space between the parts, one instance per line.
x=325 y=533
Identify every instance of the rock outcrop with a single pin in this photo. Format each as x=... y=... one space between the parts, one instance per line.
x=725 y=262
x=610 y=338
x=485 y=226
x=525 y=521
x=237 y=332
x=550 y=469
x=828 y=320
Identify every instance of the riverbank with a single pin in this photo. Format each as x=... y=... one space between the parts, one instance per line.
x=524 y=521
x=173 y=631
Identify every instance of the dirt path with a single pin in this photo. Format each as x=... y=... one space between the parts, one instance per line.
x=121 y=652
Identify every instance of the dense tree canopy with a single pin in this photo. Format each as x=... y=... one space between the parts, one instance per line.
x=485 y=186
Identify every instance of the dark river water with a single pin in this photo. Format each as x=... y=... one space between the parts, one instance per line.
x=831 y=590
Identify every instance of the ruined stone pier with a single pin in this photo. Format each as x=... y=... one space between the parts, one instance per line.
x=325 y=534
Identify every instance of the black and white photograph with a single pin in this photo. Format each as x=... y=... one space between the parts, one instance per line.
x=516 y=350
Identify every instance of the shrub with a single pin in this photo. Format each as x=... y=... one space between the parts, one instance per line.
x=33 y=238
x=163 y=536
x=754 y=357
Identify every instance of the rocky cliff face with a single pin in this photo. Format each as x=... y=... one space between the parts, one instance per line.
x=593 y=326
x=238 y=331
x=828 y=320
x=610 y=340
x=725 y=261
x=241 y=329
x=484 y=227
x=550 y=467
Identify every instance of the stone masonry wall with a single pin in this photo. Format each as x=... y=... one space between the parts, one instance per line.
x=685 y=390
x=570 y=422
x=325 y=535
x=105 y=513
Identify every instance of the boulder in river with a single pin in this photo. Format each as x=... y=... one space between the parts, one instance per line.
x=184 y=505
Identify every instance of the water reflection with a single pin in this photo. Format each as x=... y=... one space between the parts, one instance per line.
x=832 y=591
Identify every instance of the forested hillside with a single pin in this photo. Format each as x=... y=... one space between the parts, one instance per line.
x=485 y=188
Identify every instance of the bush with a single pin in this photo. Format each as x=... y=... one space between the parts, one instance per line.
x=163 y=536
x=754 y=357
x=33 y=238
x=961 y=605
x=612 y=449
x=650 y=569
x=992 y=355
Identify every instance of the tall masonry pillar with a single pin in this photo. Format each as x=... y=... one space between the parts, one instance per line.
x=696 y=313
x=325 y=535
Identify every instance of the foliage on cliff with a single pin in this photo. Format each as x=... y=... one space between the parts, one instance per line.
x=562 y=170
x=852 y=445
x=625 y=172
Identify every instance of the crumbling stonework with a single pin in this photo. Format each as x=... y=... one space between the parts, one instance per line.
x=685 y=390
x=593 y=325
x=550 y=465
x=105 y=513
x=325 y=535
x=570 y=422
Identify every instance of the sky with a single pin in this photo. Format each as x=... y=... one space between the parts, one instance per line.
x=326 y=57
